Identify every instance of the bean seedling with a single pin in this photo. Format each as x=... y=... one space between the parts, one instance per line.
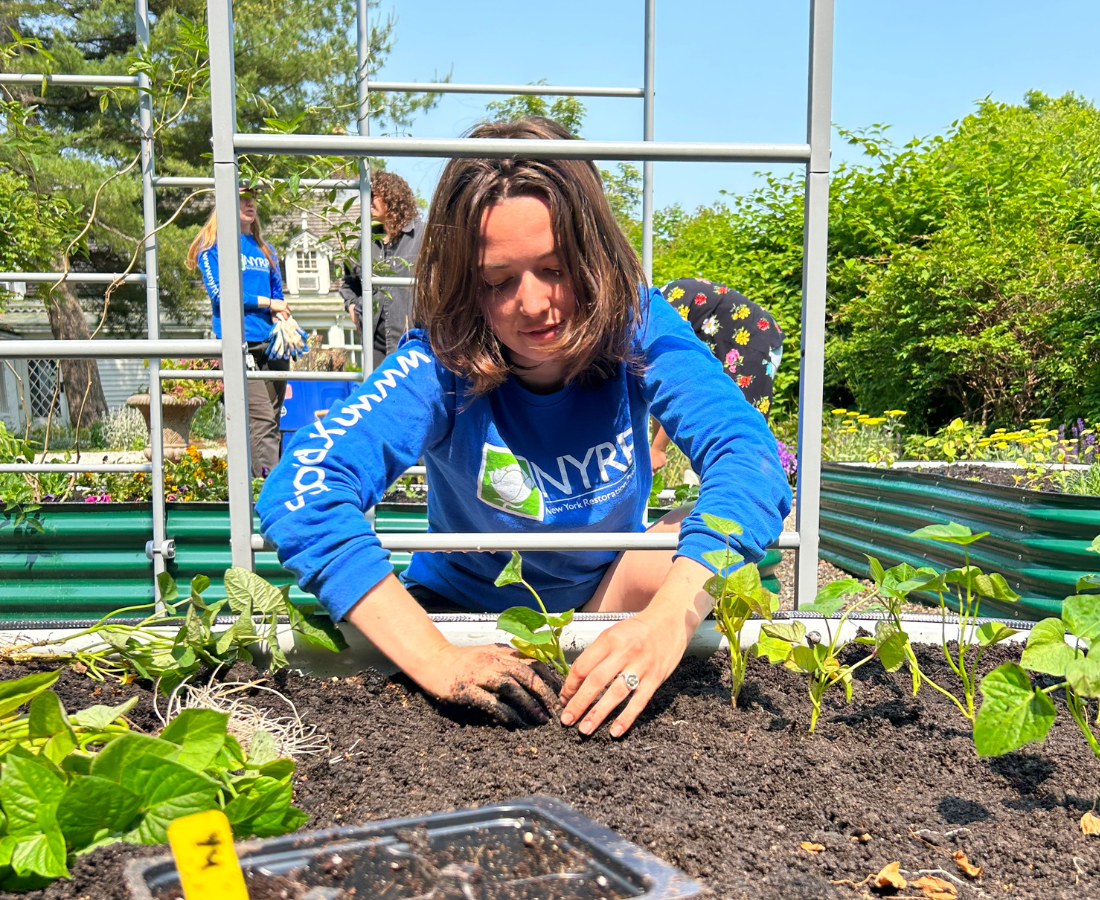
x=970 y=585
x=737 y=594
x=536 y=633
x=789 y=644
x=71 y=783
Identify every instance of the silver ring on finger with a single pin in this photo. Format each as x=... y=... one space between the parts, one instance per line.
x=630 y=680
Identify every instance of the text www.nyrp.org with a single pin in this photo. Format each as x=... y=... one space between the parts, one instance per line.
x=585 y=502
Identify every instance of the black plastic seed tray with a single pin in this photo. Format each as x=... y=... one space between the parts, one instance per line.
x=537 y=848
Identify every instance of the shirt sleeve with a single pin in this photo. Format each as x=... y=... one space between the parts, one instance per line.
x=726 y=439
x=313 y=502
x=208 y=266
x=276 y=277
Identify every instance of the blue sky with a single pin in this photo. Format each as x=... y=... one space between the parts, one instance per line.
x=736 y=70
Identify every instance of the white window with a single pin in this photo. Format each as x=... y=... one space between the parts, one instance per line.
x=308 y=273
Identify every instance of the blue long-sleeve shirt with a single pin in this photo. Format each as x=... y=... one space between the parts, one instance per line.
x=258 y=279
x=572 y=461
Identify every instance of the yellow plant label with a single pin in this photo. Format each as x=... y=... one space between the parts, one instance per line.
x=203 y=847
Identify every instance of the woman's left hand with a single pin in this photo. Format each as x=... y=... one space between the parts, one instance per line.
x=648 y=646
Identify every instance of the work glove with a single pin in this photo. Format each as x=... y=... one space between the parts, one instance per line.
x=286 y=340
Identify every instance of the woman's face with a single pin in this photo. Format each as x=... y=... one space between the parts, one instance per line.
x=248 y=211
x=528 y=295
x=378 y=207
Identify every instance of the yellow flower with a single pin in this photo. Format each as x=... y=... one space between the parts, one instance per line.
x=741 y=312
x=742 y=337
x=1037 y=421
x=683 y=311
x=764 y=405
x=848 y=422
x=676 y=294
x=840 y=412
x=896 y=412
x=878 y=420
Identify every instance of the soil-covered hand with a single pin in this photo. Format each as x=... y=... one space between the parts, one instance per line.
x=647 y=646
x=510 y=690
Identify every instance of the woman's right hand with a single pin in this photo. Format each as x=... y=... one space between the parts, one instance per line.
x=279 y=306
x=513 y=691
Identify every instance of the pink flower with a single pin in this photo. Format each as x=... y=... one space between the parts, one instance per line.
x=733 y=359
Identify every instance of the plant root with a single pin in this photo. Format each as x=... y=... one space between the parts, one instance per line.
x=292 y=736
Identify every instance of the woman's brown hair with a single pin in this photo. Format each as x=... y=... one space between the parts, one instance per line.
x=208 y=236
x=604 y=270
x=399 y=199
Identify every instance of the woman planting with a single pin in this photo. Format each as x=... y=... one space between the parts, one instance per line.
x=526 y=393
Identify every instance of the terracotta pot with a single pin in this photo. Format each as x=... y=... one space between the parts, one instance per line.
x=176 y=421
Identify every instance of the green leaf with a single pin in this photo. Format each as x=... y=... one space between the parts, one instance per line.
x=90 y=804
x=995 y=587
x=1081 y=613
x=1088 y=583
x=1046 y=650
x=791 y=632
x=1095 y=545
x=723 y=559
x=521 y=621
x=716 y=587
x=805 y=658
x=745 y=580
x=262 y=750
x=924 y=579
x=774 y=649
x=511 y=573
x=122 y=753
x=1083 y=675
x=891 y=651
x=44 y=853
x=724 y=527
x=200 y=733
x=561 y=619
x=952 y=533
x=47 y=716
x=320 y=631
x=993 y=632
x=99 y=717
x=259 y=809
x=878 y=574
x=168 y=791
x=167 y=585
x=246 y=590
x=28 y=784
x=240 y=633
x=1012 y=712
x=831 y=597
x=14 y=694
x=198 y=585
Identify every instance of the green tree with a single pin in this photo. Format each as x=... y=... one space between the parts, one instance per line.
x=963 y=269
x=295 y=70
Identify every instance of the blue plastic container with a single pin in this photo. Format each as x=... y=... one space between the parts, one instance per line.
x=305 y=398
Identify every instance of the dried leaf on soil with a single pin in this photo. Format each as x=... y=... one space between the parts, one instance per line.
x=1090 y=823
x=811 y=847
x=966 y=866
x=890 y=877
x=935 y=888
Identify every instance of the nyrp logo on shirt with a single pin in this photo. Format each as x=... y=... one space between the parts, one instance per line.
x=506 y=482
x=518 y=486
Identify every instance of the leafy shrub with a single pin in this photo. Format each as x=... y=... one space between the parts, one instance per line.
x=123 y=429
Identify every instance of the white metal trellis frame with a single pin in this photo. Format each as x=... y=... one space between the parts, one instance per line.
x=227 y=143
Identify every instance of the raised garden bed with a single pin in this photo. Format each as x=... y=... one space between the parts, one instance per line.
x=85 y=560
x=1039 y=541
x=727 y=795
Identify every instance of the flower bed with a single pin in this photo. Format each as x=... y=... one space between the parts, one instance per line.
x=728 y=795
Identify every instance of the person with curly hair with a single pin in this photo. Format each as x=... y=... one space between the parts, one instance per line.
x=397 y=231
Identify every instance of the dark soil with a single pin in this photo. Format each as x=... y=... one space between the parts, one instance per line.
x=1003 y=477
x=725 y=794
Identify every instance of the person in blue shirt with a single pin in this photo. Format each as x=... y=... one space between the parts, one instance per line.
x=262 y=286
x=528 y=393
